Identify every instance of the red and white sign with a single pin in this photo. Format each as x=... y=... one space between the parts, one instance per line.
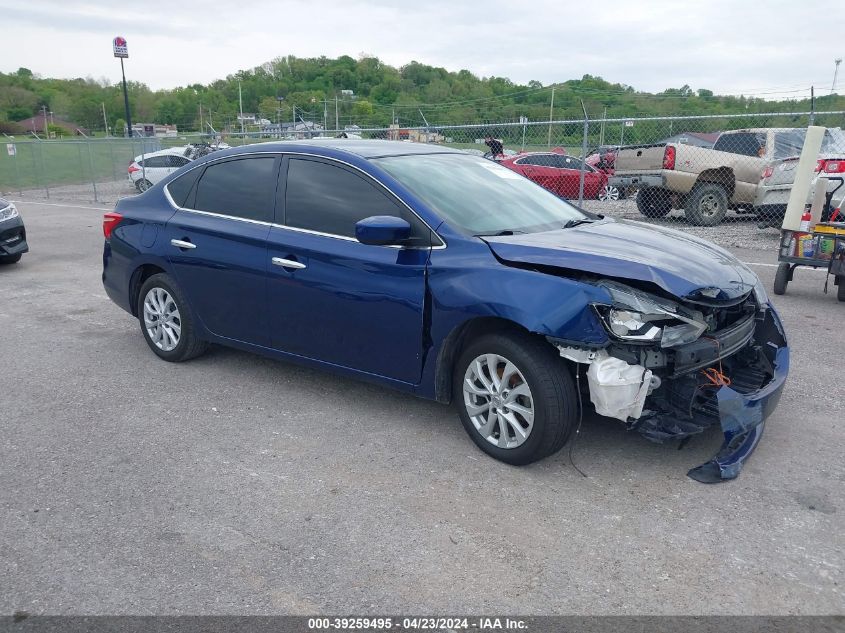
x=120 y=49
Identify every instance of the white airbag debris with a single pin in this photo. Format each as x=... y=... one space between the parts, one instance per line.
x=617 y=389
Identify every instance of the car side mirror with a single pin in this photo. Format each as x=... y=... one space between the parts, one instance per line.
x=382 y=230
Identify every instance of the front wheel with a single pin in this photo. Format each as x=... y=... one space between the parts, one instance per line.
x=515 y=397
x=782 y=278
x=10 y=259
x=166 y=320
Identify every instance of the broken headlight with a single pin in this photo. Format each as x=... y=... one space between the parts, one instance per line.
x=640 y=317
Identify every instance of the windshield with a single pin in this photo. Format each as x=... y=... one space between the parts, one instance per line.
x=479 y=196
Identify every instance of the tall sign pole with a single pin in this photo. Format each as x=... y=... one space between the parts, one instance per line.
x=121 y=51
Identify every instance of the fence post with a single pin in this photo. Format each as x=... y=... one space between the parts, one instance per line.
x=583 y=156
x=43 y=170
x=17 y=172
x=93 y=178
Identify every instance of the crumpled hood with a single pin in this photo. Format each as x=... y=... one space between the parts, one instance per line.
x=677 y=262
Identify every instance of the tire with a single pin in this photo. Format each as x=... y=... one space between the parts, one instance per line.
x=706 y=205
x=142 y=185
x=550 y=397
x=10 y=259
x=782 y=278
x=653 y=202
x=840 y=289
x=609 y=192
x=160 y=298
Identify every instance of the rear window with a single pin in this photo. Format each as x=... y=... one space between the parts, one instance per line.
x=789 y=143
x=181 y=188
x=744 y=143
x=244 y=188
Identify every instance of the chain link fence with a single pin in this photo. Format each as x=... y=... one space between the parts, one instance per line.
x=697 y=172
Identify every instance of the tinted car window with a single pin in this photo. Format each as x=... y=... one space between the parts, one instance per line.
x=330 y=199
x=789 y=143
x=180 y=189
x=176 y=161
x=243 y=188
x=745 y=143
x=154 y=161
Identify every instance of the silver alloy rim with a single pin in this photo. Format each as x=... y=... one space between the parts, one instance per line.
x=498 y=401
x=143 y=185
x=162 y=319
x=609 y=193
x=709 y=205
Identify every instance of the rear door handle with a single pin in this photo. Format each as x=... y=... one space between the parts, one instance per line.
x=182 y=244
x=287 y=263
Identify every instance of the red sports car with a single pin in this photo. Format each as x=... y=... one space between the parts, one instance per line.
x=560 y=174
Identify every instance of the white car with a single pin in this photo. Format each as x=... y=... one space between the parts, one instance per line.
x=147 y=169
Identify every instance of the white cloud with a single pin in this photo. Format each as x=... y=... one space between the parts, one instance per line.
x=727 y=46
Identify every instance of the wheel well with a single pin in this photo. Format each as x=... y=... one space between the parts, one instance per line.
x=454 y=344
x=723 y=176
x=141 y=274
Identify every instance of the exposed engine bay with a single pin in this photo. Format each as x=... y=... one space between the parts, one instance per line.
x=674 y=368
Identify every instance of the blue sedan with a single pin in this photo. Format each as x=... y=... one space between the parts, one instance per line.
x=453 y=278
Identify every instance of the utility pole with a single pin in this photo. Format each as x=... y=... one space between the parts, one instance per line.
x=336 y=118
x=44 y=113
x=201 y=125
x=105 y=120
x=241 y=106
x=836 y=61
x=812 y=105
x=551 y=111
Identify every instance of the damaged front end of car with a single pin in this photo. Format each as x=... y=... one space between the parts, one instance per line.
x=674 y=367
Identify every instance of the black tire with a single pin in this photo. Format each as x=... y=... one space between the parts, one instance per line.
x=706 y=204
x=782 y=278
x=555 y=400
x=10 y=259
x=840 y=289
x=142 y=185
x=653 y=202
x=188 y=346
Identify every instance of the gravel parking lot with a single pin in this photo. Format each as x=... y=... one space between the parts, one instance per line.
x=236 y=484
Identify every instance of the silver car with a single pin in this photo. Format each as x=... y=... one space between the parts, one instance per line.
x=779 y=174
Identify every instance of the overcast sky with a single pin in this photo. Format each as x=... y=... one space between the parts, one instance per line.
x=773 y=48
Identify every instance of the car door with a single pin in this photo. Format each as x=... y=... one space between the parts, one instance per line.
x=175 y=162
x=332 y=298
x=217 y=245
x=155 y=168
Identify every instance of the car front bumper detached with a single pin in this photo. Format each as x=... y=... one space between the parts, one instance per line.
x=732 y=378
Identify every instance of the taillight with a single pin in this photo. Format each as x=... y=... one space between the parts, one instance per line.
x=834 y=217
x=110 y=221
x=834 y=167
x=819 y=165
x=133 y=168
x=768 y=171
x=669 y=157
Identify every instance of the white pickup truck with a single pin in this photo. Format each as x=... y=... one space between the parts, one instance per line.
x=704 y=182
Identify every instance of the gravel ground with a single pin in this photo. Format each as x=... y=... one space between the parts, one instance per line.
x=236 y=484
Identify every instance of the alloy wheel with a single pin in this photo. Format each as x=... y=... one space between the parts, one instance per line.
x=162 y=319
x=609 y=192
x=498 y=401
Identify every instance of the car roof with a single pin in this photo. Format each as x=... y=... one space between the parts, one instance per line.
x=179 y=151
x=363 y=148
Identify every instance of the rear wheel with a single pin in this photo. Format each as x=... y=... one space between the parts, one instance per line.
x=10 y=259
x=782 y=279
x=166 y=320
x=840 y=289
x=515 y=397
x=707 y=204
x=653 y=202
x=142 y=185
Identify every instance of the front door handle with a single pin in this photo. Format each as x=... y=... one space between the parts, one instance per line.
x=182 y=244
x=287 y=263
